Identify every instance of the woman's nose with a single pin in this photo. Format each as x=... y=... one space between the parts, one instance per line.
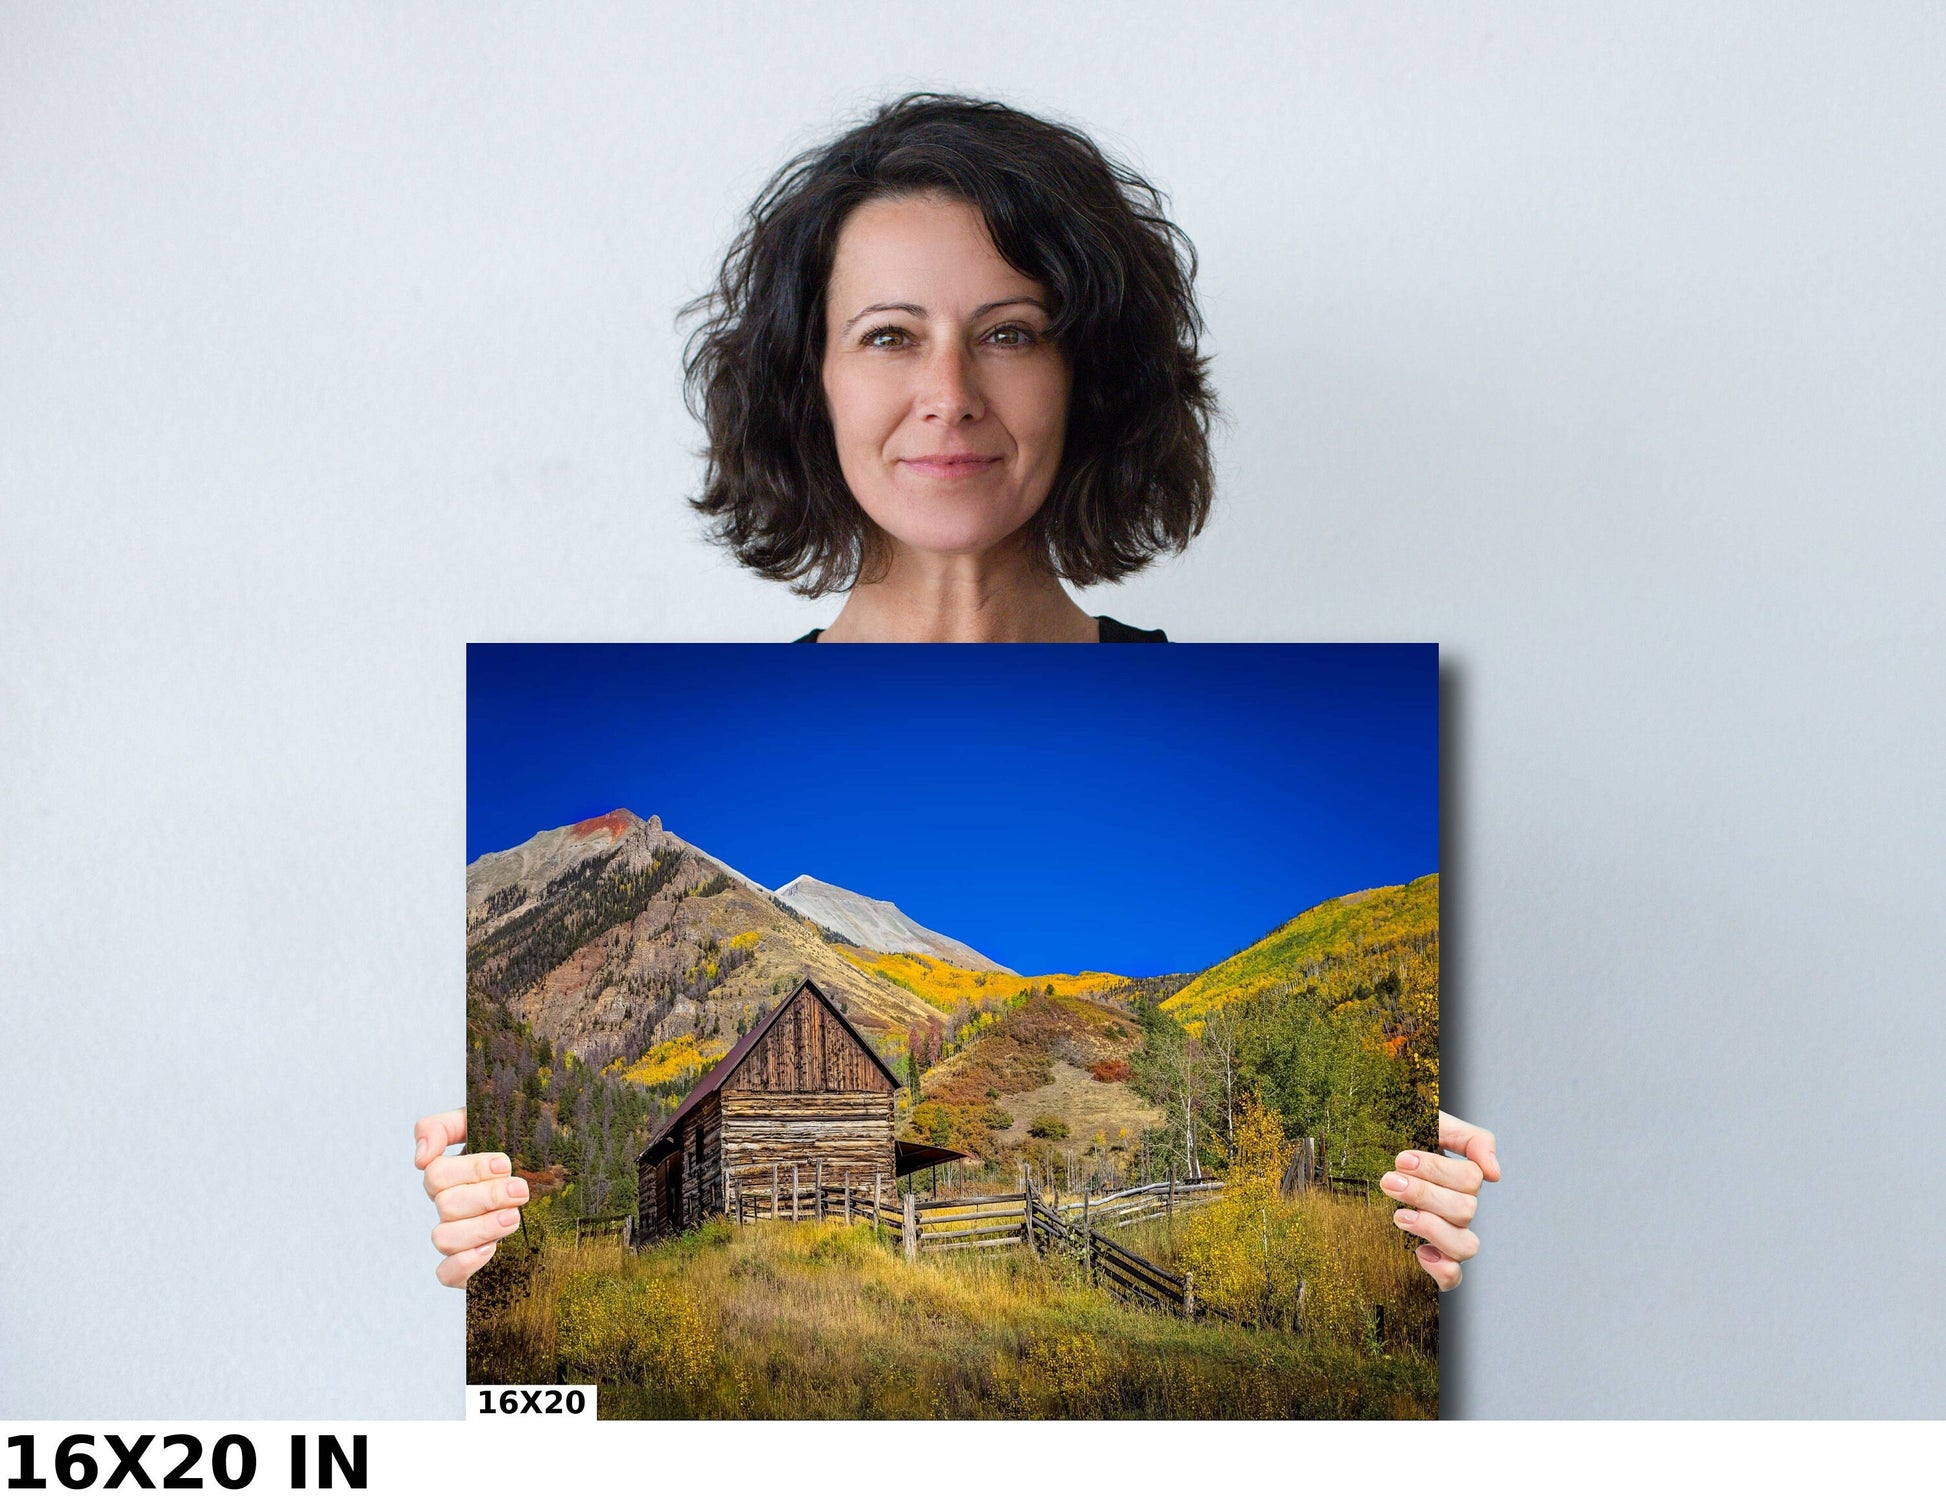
x=950 y=387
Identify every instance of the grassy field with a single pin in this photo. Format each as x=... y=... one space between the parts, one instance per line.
x=821 y=1321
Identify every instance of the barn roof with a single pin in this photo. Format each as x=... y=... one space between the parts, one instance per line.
x=720 y=1072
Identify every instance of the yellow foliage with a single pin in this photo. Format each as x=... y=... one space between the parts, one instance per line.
x=1260 y=1153
x=1061 y=1374
x=671 y=1059
x=945 y=985
x=1352 y=935
x=1268 y=1260
x=622 y=1330
x=746 y=941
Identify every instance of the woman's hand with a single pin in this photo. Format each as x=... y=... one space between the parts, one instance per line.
x=1441 y=1194
x=478 y=1196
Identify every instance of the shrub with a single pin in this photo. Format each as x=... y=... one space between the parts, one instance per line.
x=997 y=1118
x=1109 y=1070
x=624 y=1330
x=1048 y=1126
x=1062 y=1374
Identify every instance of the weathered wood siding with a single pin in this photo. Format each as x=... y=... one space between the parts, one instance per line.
x=806 y=1048
x=685 y=1183
x=807 y=1096
x=702 y=1156
x=842 y=1130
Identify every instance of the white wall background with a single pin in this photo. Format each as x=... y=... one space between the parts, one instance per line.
x=1600 y=344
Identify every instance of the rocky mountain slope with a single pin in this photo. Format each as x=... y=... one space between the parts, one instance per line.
x=613 y=934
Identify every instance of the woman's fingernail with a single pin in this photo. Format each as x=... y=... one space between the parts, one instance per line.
x=1394 y=1183
x=517 y=1190
x=1494 y=1160
x=1405 y=1216
x=1408 y=1161
x=420 y=1152
x=502 y=1165
x=510 y=1219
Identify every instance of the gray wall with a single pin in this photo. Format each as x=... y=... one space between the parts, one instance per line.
x=1601 y=345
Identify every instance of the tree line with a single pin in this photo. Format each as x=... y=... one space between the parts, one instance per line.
x=1349 y=1056
x=542 y=1106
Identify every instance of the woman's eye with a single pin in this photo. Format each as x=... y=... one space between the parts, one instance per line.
x=887 y=338
x=1012 y=336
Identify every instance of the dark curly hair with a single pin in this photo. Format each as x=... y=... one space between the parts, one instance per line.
x=1135 y=476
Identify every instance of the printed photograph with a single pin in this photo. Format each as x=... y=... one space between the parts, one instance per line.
x=955 y=1031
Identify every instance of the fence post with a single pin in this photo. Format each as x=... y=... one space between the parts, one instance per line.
x=793 y=1194
x=817 y=1190
x=878 y=1197
x=1172 y=1195
x=1189 y=1295
x=847 y=1195
x=1087 y=1238
x=1027 y=1212
x=911 y=1224
x=774 y=1188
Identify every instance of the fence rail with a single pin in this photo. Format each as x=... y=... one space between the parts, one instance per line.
x=620 y=1225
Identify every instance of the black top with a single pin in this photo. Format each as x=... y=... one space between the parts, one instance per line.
x=1111 y=631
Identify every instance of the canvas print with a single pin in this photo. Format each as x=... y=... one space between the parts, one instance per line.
x=955 y=1031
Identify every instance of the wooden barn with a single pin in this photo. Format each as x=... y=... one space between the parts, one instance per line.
x=802 y=1090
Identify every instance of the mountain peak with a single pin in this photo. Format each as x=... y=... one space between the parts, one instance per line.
x=615 y=824
x=876 y=923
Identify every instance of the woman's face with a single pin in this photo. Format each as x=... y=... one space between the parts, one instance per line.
x=947 y=400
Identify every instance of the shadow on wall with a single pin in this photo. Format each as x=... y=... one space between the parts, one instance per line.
x=1455 y=1350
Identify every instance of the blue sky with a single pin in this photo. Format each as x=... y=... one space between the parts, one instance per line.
x=1057 y=807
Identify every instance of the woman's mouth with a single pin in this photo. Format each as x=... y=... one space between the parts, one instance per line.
x=951 y=466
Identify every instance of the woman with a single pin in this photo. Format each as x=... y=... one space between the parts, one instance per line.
x=950 y=364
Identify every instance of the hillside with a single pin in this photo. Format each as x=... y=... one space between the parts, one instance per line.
x=946 y=985
x=1357 y=937
x=1332 y=1017
x=1036 y=1058
x=614 y=935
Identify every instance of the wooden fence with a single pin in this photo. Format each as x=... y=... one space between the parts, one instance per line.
x=778 y=1195
x=1122 y=1271
x=1076 y=1226
x=948 y=1224
x=621 y=1225
x=1138 y=1203
x=991 y=1224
